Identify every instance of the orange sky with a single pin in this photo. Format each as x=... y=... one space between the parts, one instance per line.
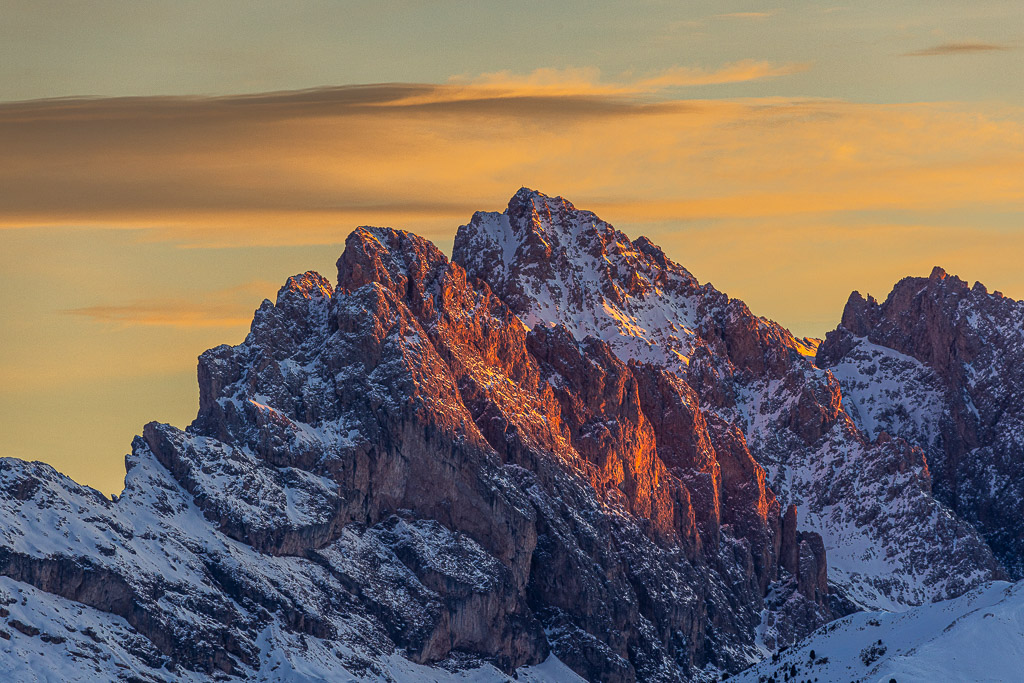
x=787 y=155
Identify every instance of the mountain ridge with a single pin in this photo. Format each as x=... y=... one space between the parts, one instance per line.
x=583 y=459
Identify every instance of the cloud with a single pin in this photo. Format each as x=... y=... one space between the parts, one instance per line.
x=588 y=82
x=738 y=72
x=162 y=314
x=573 y=90
x=746 y=15
x=306 y=167
x=229 y=308
x=957 y=49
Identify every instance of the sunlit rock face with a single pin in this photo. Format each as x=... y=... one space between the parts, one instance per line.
x=941 y=364
x=556 y=455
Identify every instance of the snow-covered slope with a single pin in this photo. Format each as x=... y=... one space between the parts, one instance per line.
x=148 y=588
x=978 y=637
x=878 y=383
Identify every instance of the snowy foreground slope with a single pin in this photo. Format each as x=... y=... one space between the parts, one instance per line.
x=978 y=637
x=555 y=452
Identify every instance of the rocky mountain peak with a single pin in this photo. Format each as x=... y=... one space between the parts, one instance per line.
x=532 y=207
x=552 y=262
x=919 y=317
x=941 y=277
x=751 y=377
x=937 y=363
x=859 y=312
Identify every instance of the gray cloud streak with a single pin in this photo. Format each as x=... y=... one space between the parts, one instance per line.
x=957 y=49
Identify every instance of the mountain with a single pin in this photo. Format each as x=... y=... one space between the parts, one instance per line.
x=977 y=637
x=890 y=543
x=395 y=465
x=556 y=452
x=941 y=365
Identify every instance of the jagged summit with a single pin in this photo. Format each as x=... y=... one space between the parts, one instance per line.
x=526 y=196
x=552 y=262
x=308 y=285
x=396 y=259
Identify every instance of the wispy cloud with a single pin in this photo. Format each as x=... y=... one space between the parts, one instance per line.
x=957 y=49
x=737 y=72
x=746 y=15
x=230 y=307
x=306 y=167
x=589 y=82
x=163 y=314
x=578 y=90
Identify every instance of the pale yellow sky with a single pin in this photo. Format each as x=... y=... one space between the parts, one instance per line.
x=787 y=154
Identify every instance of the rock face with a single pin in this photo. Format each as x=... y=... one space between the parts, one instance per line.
x=941 y=364
x=556 y=452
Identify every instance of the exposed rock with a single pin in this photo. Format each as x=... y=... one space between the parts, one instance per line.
x=812 y=570
x=398 y=465
x=789 y=555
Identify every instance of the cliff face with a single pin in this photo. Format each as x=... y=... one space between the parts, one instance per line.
x=556 y=450
x=941 y=364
